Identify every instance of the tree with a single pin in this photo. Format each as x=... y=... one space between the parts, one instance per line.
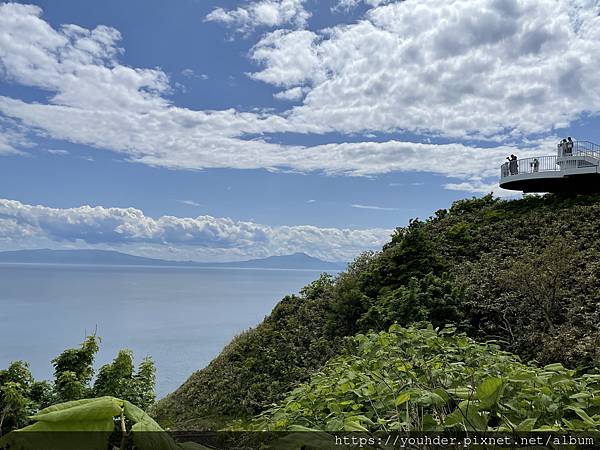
x=543 y=276
x=435 y=299
x=20 y=395
x=13 y=406
x=118 y=379
x=73 y=370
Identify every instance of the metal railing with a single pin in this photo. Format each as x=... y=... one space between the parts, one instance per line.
x=554 y=163
x=585 y=148
x=529 y=165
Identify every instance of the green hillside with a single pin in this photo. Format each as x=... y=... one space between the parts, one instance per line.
x=522 y=272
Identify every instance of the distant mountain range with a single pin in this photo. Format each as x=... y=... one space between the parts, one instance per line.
x=108 y=257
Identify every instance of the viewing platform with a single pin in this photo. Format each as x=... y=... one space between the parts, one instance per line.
x=575 y=168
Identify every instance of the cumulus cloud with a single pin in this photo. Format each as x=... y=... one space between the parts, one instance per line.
x=395 y=70
x=263 y=13
x=289 y=58
x=129 y=226
x=485 y=68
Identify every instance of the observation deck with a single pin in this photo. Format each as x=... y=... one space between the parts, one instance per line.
x=574 y=169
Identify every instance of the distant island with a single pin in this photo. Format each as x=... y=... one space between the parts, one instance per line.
x=109 y=257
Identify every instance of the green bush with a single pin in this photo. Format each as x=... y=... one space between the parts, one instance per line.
x=422 y=379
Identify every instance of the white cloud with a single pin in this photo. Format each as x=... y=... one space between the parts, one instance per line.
x=6 y=144
x=97 y=101
x=292 y=94
x=481 y=187
x=179 y=139
x=263 y=13
x=349 y=4
x=372 y=207
x=490 y=68
x=289 y=58
x=13 y=137
x=58 y=152
x=204 y=235
x=345 y=5
x=76 y=63
x=189 y=202
x=189 y=73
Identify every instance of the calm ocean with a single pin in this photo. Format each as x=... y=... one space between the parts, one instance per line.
x=182 y=317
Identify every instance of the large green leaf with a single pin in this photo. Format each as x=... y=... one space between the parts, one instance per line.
x=67 y=405
x=583 y=415
x=135 y=414
x=104 y=408
x=489 y=392
x=87 y=425
x=527 y=424
x=105 y=425
x=556 y=367
x=402 y=398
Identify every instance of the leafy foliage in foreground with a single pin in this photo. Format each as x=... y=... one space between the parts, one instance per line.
x=421 y=379
x=21 y=396
x=93 y=423
x=525 y=272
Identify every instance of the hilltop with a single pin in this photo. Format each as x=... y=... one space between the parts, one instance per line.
x=524 y=273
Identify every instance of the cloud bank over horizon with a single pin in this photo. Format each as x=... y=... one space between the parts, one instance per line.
x=198 y=238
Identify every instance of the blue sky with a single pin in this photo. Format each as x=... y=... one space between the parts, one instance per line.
x=219 y=130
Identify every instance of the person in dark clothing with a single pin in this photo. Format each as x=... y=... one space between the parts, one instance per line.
x=569 y=146
x=513 y=166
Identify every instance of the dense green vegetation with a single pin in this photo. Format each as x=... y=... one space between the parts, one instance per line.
x=21 y=396
x=419 y=379
x=522 y=272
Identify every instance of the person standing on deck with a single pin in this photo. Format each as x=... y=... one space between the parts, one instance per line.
x=513 y=166
x=569 y=145
x=535 y=165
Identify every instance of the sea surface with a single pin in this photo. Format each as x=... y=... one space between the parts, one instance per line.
x=181 y=317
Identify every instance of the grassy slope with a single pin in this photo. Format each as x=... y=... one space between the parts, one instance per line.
x=522 y=271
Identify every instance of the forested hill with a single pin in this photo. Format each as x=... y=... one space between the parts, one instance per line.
x=524 y=272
